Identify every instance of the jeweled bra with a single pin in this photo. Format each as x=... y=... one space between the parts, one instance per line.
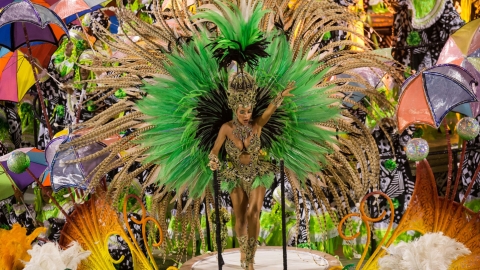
x=249 y=171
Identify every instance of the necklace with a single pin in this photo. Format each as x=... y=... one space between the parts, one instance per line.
x=240 y=131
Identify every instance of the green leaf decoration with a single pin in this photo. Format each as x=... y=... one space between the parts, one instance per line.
x=418 y=133
x=327 y=36
x=395 y=202
x=120 y=93
x=413 y=38
x=390 y=164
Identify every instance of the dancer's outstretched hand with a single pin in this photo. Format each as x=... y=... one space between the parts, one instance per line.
x=290 y=87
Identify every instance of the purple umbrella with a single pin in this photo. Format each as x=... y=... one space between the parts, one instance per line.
x=38 y=164
x=24 y=22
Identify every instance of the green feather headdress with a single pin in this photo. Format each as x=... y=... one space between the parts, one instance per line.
x=240 y=38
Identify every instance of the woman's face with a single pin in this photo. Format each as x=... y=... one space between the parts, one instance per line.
x=244 y=115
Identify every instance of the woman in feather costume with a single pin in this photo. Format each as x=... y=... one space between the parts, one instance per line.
x=215 y=93
x=192 y=66
x=246 y=178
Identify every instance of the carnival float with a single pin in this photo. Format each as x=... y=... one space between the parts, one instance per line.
x=239 y=134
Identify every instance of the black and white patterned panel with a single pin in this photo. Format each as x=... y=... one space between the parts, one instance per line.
x=398 y=183
x=25 y=217
x=53 y=96
x=402 y=27
x=448 y=23
x=303 y=233
x=56 y=226
x=98 y=17
x=3 y=149
x=302 y=236
x=423 y=57
x=470 y=164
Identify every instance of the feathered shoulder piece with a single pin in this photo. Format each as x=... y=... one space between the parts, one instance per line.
x=240 y=38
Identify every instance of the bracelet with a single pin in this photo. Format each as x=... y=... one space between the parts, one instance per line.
x=277 y=101
x=214 y=158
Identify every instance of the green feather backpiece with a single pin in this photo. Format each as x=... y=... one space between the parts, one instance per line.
x=303 y=144
x=170 y=106
x=172 y=109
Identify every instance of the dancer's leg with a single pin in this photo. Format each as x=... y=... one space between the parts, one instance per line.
x=253 y=218
x=240 y=203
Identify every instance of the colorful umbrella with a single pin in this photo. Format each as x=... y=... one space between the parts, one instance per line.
x=429 y=95
x=38 y=164
x=463 y=49
x=16 y=76
x=22 y=23
x=74 y=175
x=77 y=16
x=6 y=184
x=42 y=52
x=45 y=178
x=375 y=77
x=4 y=3
x=70 y=10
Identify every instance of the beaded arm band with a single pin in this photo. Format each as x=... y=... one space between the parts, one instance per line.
x=214 y=158
x=277 y=101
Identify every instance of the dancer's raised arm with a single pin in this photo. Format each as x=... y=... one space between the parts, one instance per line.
x=276 y=102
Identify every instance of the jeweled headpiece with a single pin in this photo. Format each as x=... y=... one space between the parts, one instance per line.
x=241 y=91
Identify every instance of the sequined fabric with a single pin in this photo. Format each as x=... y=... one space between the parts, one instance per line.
x=245 y=174
x=243 y=244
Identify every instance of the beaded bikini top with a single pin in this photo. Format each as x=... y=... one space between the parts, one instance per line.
x=234 y=153
x=245 y=171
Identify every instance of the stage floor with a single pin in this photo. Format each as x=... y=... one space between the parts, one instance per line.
x=266 y=258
